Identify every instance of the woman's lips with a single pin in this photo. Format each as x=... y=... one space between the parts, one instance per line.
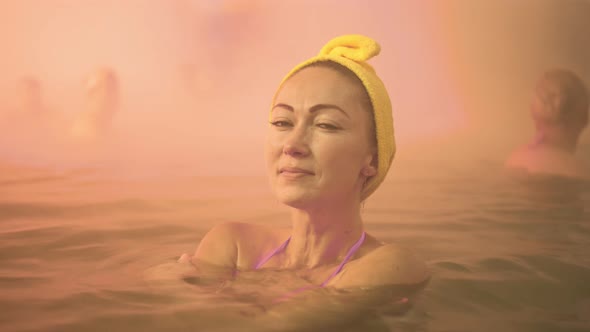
x=294 y=172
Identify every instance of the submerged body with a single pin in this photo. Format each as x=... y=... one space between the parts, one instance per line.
x=242 y=247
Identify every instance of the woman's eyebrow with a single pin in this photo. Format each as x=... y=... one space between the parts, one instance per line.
x=285 y=106
x=314 y=108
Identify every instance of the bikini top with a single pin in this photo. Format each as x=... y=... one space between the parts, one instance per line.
x=348 y=256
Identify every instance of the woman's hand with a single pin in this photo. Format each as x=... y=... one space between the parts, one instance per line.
x=171 y=273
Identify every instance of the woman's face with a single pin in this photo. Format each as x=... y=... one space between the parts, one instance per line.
x=318 y=147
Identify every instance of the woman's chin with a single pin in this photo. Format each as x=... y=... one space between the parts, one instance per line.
x=305 y=198
x=294 y=197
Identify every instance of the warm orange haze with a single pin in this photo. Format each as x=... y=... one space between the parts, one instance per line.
x=199 y=73
x=130 y=129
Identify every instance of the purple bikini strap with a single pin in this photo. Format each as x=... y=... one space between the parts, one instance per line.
x=274 y=252
x=349 y=254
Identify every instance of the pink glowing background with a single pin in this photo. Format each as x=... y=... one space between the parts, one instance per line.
x=197 y=76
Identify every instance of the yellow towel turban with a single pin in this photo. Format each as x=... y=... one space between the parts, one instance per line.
x=352 y=52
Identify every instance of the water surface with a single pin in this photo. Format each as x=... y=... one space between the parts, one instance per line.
x=507 y=254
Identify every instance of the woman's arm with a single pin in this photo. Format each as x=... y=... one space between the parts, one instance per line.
x=324 y=309
x=214 y=260
x=212 y=263
x=382 y=283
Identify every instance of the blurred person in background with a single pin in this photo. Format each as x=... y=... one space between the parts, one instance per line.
x=29 y=126
x=559 y=109
x=101 y=104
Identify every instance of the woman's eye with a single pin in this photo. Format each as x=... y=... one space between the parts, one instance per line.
x=327 y=126
x=280 y=123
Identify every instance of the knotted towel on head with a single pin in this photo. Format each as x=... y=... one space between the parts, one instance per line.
x=352 y=52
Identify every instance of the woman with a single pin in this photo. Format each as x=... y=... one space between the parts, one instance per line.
x=102 y=102
x=330 y=144
x=559 y=109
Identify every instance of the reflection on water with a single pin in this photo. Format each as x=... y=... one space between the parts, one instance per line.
x=77 y=251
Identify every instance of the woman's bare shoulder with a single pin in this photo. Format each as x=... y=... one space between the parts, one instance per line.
x=218 y=246
x=550 y=162
x=385 y=265
x=518 y=158
x=235 y=244
x=254 y=241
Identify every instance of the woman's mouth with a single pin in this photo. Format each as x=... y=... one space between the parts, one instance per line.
x=294 y=172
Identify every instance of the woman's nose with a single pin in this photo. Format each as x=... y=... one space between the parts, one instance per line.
x=296 y=144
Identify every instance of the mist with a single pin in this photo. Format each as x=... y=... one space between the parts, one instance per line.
x=197 y=77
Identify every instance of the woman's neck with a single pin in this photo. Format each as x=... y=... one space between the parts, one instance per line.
x=556 y=139
x=323 y=235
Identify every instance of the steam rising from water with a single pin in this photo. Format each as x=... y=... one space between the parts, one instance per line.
x=196 y=77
